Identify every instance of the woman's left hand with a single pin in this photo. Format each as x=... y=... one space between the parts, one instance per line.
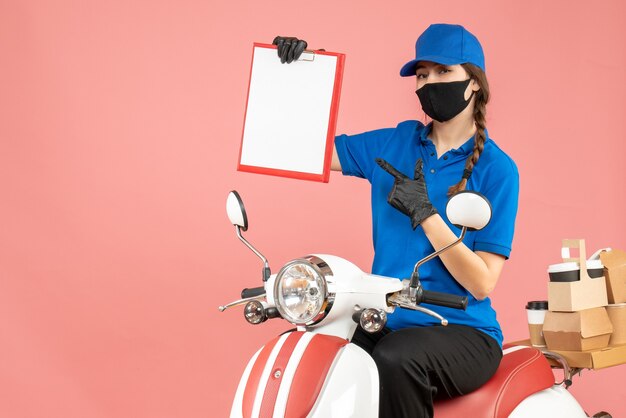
x=409 y=196
x=289 y=48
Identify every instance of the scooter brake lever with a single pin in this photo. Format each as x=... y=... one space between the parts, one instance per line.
x=240 y=302
x=404 y=301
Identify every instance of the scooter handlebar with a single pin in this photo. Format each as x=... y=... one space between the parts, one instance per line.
x=443 y=299
x=252 y=292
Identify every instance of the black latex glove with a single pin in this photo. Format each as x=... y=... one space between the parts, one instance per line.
x=409 y=196
x=289 y=48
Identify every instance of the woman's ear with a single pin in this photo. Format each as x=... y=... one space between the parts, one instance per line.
x=474 y=85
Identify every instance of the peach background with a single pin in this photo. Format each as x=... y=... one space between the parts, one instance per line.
x=120 y=124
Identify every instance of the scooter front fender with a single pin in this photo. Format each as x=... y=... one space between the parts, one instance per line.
x=305 y=374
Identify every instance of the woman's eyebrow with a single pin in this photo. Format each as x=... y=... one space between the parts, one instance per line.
x=422 y=66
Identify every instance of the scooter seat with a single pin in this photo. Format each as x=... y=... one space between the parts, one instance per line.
x=522 y=372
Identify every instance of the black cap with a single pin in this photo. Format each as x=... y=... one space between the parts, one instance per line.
x=537 y=305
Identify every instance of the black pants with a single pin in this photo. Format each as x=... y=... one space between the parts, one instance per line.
x=418 y=365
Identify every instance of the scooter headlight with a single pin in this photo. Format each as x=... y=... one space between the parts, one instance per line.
x=301 y=291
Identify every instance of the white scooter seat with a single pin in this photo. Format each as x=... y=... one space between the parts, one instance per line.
x=522 y=372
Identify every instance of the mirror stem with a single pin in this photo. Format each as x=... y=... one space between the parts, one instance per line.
x=415 y=277
x=266 y=267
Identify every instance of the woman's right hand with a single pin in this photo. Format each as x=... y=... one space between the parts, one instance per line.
x=289 y=48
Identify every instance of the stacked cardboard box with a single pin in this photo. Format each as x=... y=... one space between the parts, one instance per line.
x=573 y=325
x=617 y=315
x=577 y=319
x=615 y=272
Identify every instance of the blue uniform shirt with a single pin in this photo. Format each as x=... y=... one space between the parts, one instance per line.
x=398 y=247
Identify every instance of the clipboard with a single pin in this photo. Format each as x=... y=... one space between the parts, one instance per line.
x=291 y=114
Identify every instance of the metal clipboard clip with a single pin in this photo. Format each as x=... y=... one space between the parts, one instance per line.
x=307 y=56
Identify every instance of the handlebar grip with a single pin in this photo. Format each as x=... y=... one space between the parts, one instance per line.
x=444 y=299
x=254 y=291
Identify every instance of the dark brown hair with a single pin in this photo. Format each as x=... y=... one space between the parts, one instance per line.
x=481 y=97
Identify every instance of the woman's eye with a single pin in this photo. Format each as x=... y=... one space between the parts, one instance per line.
x=443 y=71
x=421 y=76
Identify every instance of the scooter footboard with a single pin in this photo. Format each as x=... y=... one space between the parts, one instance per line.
x=292 y=374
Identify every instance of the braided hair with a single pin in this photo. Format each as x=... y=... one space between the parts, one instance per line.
x=480 y=113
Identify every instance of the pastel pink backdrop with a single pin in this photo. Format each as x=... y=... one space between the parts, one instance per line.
x=120 y=125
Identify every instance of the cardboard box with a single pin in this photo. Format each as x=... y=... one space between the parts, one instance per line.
x=585 y=293
x=595 y=359
x=615 y=273
x=617 y=315
x=592 y=359
x=590 y=329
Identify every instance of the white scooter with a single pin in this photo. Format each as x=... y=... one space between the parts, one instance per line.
x=314 y=371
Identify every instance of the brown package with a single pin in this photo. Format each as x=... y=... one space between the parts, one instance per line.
x=596 y=359
x=577 y=331
x=585 y=293
x=615 y=273
x=617 y=315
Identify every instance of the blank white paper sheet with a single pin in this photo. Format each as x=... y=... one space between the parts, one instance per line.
x=291 y=114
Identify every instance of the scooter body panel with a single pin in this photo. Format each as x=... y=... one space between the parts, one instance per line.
x=351 y=388
x=554 y=402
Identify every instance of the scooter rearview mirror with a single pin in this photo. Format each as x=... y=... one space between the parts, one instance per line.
x=469 y=209
x=237 y=215
x=236 y=211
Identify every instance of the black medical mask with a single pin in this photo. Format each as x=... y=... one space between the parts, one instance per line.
x=443 y=101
